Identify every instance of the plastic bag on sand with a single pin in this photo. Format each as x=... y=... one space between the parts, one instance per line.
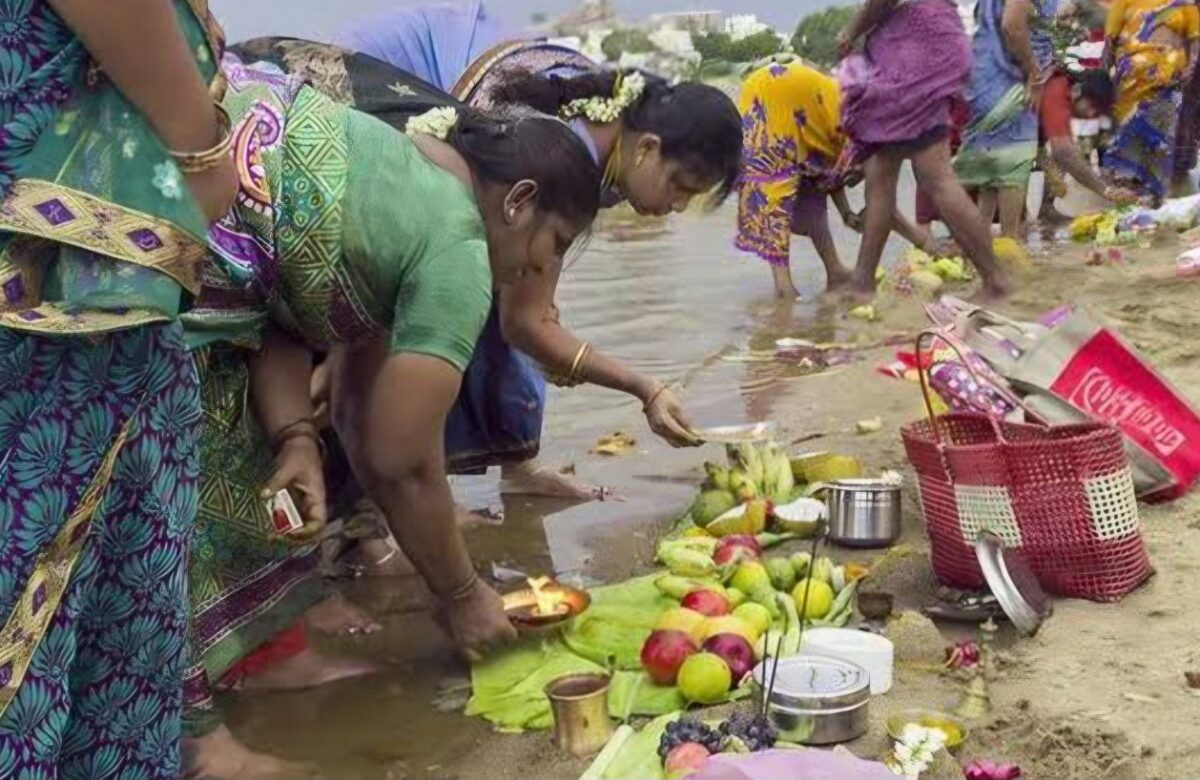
x=808 y=764
x=1176 y=213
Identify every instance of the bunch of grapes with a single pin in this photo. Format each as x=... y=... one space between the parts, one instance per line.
x=754 y=730
x=686 y=730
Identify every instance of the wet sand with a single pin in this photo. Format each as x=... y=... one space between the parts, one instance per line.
x=676 y=301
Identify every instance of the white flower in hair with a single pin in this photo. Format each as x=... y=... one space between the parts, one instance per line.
x=603 y=110
x=437 y=122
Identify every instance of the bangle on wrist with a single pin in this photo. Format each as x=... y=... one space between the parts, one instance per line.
x=658 y=391
x=207 y=159
x=463 y=590
x=577 y=365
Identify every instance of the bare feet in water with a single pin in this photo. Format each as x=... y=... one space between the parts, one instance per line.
x=220 y=756
x=338 y=616
x=532 y=480
x=836 y=280
x=994 y=290
x=307 y=669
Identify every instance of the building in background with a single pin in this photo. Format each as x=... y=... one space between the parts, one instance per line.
x=689 y=21
x=589 y=15
x=743 y=26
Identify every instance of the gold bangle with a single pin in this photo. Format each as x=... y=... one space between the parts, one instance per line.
x=206 y=160
x=577 y=365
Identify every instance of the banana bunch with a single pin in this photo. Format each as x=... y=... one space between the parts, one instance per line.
x=766 y=468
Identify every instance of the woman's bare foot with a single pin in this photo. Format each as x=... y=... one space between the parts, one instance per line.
x=785 y=288
x=995 y=289
x=836 y=279
x=861 y=288
x=528 y=478
x=307 y=669
x=220 y=756
x=338 y=616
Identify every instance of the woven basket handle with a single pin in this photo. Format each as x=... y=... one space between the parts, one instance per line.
x=954 y=344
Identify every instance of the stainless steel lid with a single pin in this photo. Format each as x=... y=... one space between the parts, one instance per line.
x=865 y=485
x=1013 y=583
x=814 y=683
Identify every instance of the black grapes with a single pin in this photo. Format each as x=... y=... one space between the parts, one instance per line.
x=686 y=730
x=754 y=730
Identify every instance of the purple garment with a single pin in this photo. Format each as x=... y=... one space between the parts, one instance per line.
x=899 y=91
x=435 y=43
x=807 y=764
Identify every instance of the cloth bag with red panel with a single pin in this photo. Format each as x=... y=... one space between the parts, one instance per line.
x=1071 y=368
x=1063 y=495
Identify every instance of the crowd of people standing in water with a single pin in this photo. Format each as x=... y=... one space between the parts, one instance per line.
x=974 y=115
x=230 y=271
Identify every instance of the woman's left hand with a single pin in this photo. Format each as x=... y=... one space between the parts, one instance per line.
x=298 y=468
x=666 y=417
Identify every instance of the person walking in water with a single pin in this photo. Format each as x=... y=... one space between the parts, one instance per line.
x=795 y=159
x=896 y=103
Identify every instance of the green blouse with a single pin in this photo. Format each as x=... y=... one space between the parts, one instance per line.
x=355 y=233
x=415 y=237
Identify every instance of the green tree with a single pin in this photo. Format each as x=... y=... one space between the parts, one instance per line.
x=816 y=35
x=720 y=47
x=755 y=47
x=629 y=40
x=713 y=46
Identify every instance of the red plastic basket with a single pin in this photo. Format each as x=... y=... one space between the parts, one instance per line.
x=1064 y=495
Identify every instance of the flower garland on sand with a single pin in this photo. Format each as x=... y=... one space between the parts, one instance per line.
x=437 y=122
x=627 y=90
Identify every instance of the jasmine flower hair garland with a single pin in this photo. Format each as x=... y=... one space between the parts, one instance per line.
x=627 y=90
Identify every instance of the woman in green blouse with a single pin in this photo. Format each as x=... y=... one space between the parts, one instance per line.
x=346 y=230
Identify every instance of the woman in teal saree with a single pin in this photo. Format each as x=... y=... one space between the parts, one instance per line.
x=101 y=237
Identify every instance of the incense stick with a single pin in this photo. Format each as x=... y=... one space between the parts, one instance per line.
x=817 y=537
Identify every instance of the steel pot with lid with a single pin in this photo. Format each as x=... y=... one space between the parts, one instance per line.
x=814 y=700
x=863 y=512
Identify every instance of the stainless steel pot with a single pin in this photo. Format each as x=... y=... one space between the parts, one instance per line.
x=863 y=512
x=816 y=700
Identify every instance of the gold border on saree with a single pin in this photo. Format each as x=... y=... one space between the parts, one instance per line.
x=39 y=208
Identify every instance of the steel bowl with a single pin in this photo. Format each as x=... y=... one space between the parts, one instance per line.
x=863 y=512
x=521 y=606
x=812 y=700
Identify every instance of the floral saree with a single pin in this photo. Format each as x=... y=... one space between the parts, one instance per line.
x=99 y=248
x=793 y=156
x=1149 y=98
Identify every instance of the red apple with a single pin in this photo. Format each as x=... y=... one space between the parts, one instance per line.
x=707 y=602
x=685 y=758
x=736 y=549
x=735 y=651
x=663 y=653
